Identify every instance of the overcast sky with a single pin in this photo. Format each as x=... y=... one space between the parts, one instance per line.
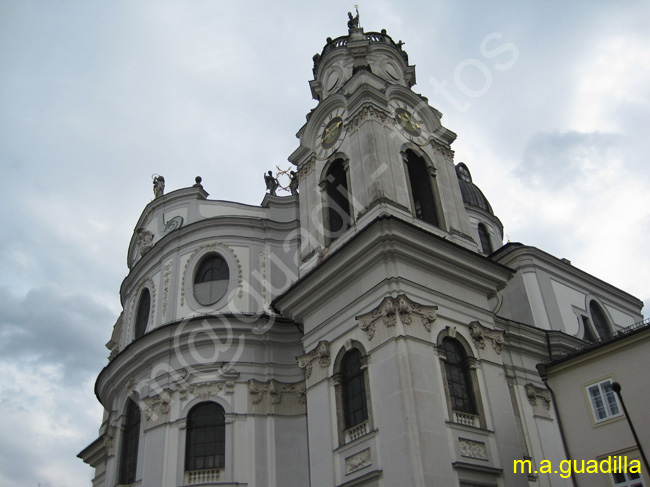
x=550 y=101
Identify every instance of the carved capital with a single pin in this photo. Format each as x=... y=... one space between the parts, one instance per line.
x=536 y=394
x=320 y=354
x=109 y=440
x=482 y=333
x=275 y=390
x=367 y=113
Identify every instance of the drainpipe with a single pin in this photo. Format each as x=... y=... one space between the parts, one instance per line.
x=541 y=369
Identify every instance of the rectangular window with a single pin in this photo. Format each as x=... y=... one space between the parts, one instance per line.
x=623 y=479
x=604 y=402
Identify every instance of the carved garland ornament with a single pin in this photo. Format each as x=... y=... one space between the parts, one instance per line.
x=167 y=275
x=358 y=461
x=321 y=354
x=390 y=308
x=275 y=389
x=535 y=393
x=481 y=333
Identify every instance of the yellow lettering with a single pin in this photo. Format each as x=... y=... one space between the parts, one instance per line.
x=545 y=466
x=592 y=466
x=635 y=466
x=526 y=466
x=565 y=468
x=607 y=468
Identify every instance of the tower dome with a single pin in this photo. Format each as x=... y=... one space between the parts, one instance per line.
x=472 y=195
x=487 y=228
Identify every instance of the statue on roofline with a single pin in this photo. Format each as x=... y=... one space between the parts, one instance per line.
x=271 y=183
x=353 y=22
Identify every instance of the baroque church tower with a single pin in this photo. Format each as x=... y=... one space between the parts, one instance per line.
x=370 y=330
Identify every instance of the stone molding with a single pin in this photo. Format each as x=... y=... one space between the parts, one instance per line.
x=392 y=308
x=472 y=449
x=482 y=333
x=320 y=354
x=167 y=271
x=535 y=394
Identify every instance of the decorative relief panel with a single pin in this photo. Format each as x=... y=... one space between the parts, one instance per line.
x=109 y=440
x=400 y=307
x=277 y=397
x=320 y=354
x=358 y=461
x=203 y=390
x=472 y=449
x=482 y=333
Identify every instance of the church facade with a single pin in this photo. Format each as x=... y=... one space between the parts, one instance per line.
x=368 y=330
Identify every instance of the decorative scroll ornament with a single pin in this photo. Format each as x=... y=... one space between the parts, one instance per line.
x=156 y=406
x=481 y=333
x=321 y=354
x=204 y=390
x=174 y=224
x=392 y=308
x=275 y=389
x=536 y=394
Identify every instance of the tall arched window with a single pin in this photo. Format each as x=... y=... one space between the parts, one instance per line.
x=424 y=205
x=353 y=384
x=211 y=279
x=205 y=446
x=459 y=382
x=142 y=315
x=600 y=320
x=484 y=235
x=130 y=440
x=337 y=201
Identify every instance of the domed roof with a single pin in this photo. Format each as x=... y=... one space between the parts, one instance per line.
x=472 y=195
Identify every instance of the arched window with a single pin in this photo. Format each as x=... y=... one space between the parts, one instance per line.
x=353 y=384
x=205 y=446
x=600 y=320
x=459 y=382
x=142 y=315
x=211 y=279
x=484 y=235
x=337 y=201
x=130 y=439
x=424 y=205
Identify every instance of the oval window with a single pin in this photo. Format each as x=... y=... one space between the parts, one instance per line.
x=211 y=280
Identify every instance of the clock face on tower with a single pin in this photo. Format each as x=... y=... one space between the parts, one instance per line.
x=332 y=133
x=409 y=124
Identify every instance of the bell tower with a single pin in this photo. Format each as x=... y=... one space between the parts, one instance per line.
x=393 y=289
x=373 y=146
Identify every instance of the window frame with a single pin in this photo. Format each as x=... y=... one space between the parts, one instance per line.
x=485 y=239
x=140 y=323
x=350 y=434
x=628 y=482
x=127 y=468
x=333 y=198
x=414 y=162
x=190 y=435
x=198 y=268
x=606 y=404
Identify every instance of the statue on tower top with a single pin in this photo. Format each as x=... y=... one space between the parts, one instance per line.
x=353 y=22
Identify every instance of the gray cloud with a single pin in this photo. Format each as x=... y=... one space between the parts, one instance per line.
x=50 y=327
x=557 y=160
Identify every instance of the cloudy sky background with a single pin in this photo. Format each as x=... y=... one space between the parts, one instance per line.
x=95 y=97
